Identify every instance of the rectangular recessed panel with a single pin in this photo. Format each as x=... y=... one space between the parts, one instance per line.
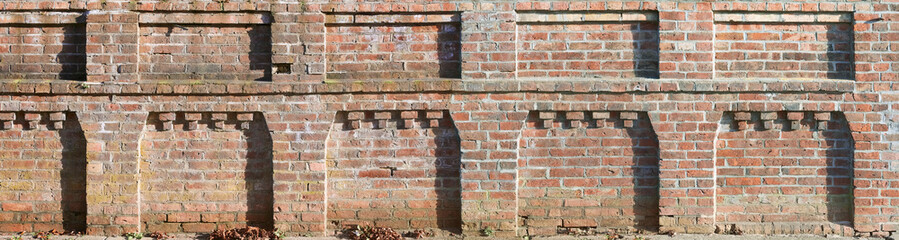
x=205 y=171
x=588 y=170
x=43 y=45
x=397 y=169
x=206 y=46
x=393 y=46
x=784 y=45
x=43 y=172
x=588 y=45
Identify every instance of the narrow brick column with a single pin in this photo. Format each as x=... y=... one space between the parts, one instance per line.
x=113 y=200
x=686 y=170
x=299 y=167
x=489 y=131
x=872 y=176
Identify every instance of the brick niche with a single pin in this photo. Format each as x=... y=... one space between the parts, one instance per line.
x=784 y=45
x=591 y=44
x=43 y=45
x=205 y=46
x=42 y=172
x=588 y=170
x=785 y=172
x=397 y=169
x=205 y=171
x=393 y=46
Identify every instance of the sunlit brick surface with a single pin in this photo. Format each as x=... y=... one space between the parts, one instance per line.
x=401 y=171
x=205 y=52
x=588 y=50
x=206 y=178
x=589 y=173
x=784 y=178
x=47 y=52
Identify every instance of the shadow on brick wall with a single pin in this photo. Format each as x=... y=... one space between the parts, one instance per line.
x=840 y=157
x=449 y=51
x=840 y=52
x=73 y=176
x=73 y=56
x=645 y=145
x=447 y=182
x=646 y=49
x=261 y=50
x=258 y=174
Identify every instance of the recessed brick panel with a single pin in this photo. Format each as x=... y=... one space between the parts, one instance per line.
x=385 y=46
x=594 y=169
x=43 y=51
x=42 y=172
x=784 y=47
x=185 y=46
x=205 y=171
x=588 y=45
x=784 y=172
x=397 y=169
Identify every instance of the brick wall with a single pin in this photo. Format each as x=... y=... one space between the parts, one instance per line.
x=397 y=169
x=205 y=171
x=156 y=71
x=588 y=170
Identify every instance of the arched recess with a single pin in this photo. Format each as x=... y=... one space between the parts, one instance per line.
x=784 y=173
x=397 y=169
x=588 y=172
x=202 y=171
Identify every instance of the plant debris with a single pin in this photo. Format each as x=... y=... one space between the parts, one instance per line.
x=371 y=233
x=158 y=235
x=247 y=233
x=417 y=234
x=44 y=235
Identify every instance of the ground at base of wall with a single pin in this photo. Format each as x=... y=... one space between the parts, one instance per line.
x=597 y=237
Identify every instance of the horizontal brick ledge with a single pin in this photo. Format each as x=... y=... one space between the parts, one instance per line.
x=783 y=17
x=387 y=18
x=42 y=17
x=591 y=16
x=522 y=85
x=205 y=18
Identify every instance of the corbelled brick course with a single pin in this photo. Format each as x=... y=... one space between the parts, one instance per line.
x=692 y=85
